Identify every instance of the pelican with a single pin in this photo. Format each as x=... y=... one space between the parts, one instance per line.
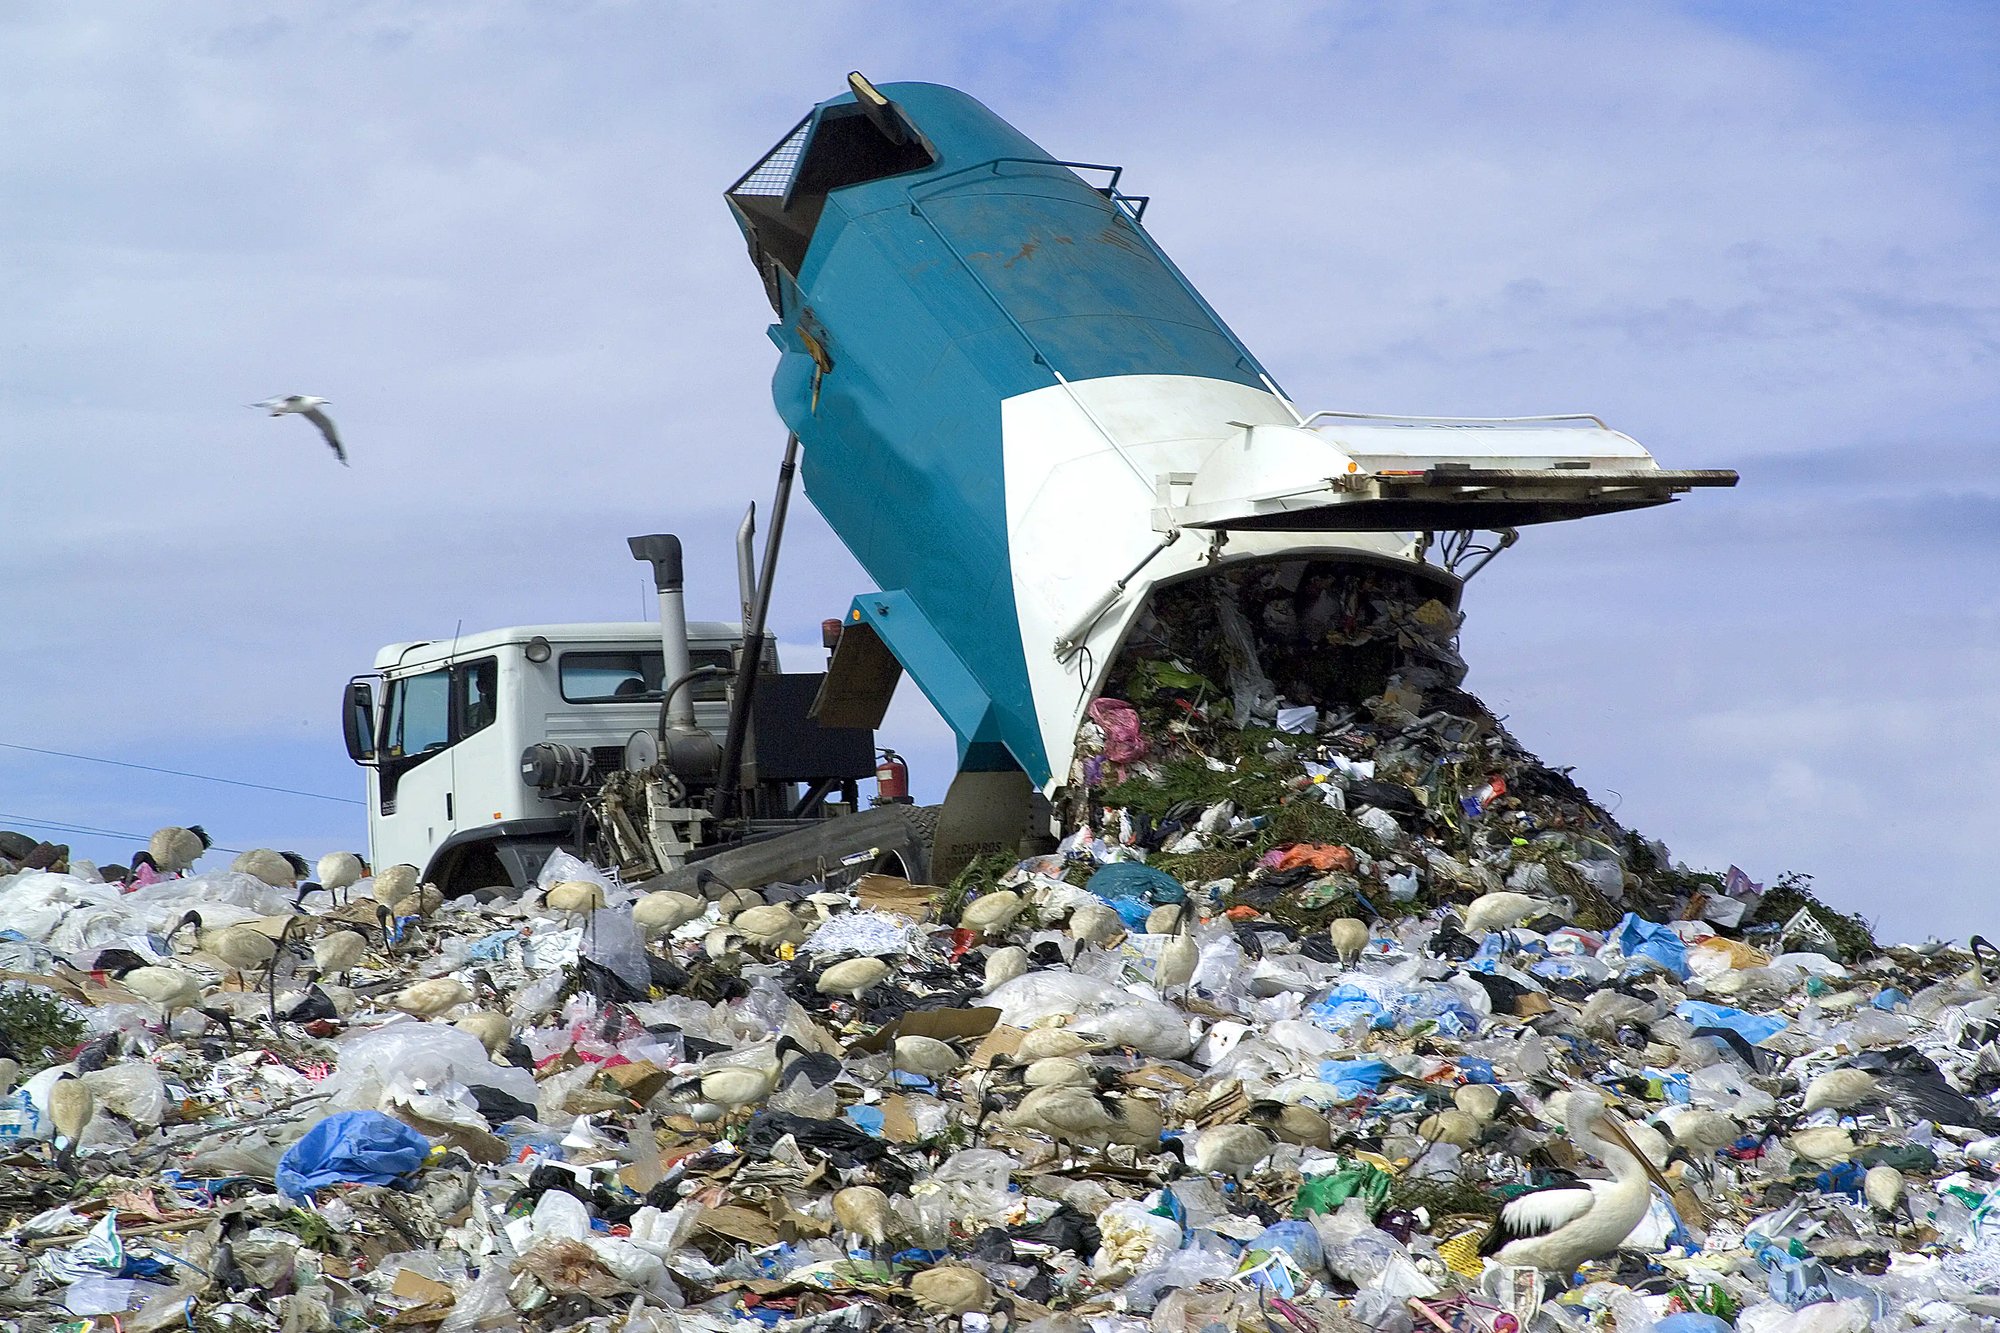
x=1002 y=966
x=1561 y=1226
x=852 y=978
x=1349 y=937
x=1505 y=910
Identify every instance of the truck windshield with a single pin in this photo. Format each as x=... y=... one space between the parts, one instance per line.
x=634 y=677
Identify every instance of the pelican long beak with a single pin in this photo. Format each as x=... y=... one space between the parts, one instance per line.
x=1612 y=1129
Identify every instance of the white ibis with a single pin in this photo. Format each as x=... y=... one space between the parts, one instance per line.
x=432 y=998
x=174 y=850
x=862 y=1211
x=745 y=1082
x=992 y=913
x=1837 y=1090
x=1226 y=1150
x=336 y=954
x=1002 y=966
x=852 y=978
x=71 y=1108
x=1350 y=938
x=949 y=1289
x=666 y=911
x=280 y=870
x=339 y=872
x=493 y=1030
x=1292 y=1123
x=1505 y=910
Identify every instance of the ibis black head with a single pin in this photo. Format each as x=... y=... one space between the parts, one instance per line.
x=305 y=886
x=786 y=1043
x=144 y=859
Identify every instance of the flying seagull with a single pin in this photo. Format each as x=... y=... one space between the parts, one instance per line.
x=308 y=407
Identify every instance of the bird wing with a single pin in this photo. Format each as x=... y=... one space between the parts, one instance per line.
x=325 y=424
x=1539 y=1212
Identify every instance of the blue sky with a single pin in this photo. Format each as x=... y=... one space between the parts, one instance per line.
x=1752 y=236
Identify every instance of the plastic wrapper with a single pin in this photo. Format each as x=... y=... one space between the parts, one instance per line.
x=132 y=1089
x=396 y=1057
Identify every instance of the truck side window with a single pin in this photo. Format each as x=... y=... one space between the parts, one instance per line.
x=419 y=717
x=632 y=677
x=475 y=691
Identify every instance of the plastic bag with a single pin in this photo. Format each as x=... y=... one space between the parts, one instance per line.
x=482 y=1305
x=351 y=1147
x=612 y=941
x=132 y=1089
x=396 y=1057
x=1655 y=944
x=1753 y=1028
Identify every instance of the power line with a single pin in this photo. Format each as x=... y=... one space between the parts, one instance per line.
x=54 y=826
x=180 y=773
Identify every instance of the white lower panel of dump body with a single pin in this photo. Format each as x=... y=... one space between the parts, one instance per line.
x=1081 y=463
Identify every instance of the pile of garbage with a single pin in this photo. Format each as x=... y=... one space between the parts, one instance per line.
x=1335 y=1009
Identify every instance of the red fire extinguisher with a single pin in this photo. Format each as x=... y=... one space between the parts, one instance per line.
x=892 y=779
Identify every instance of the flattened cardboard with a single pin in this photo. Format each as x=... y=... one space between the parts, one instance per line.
x=890 y=893
x=739 y=1223
x=1000 y=1044
x=944 y=1024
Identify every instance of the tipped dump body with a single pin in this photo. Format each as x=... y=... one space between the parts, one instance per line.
x=1021 y=418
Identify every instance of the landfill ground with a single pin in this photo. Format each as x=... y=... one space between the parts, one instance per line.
x=1327 y=975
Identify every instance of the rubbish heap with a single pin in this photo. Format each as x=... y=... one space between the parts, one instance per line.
x=1335 y=1009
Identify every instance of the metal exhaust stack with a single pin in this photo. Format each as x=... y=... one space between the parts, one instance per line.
x=663 y=552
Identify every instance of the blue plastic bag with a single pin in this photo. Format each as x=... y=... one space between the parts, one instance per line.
x=1347 y=1004
x=1753 y=1028
x=1637 y=937
x=1135 y=879
x=1352 y=1078
x=351 y=1148
x=1297 y=1241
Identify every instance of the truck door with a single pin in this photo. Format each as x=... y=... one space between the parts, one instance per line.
x=424 y=717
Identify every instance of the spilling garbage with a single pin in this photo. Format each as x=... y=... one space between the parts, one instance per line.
x=1334 y=1009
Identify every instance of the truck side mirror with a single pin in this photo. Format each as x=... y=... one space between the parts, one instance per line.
x=358 y=721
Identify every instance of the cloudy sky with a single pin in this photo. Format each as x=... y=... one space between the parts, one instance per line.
x=1760 y=237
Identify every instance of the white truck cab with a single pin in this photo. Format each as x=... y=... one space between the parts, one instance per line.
x=455 y=715
x=643 y=746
